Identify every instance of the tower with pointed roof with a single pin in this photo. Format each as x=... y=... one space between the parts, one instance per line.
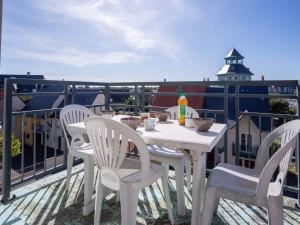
x=234 y=69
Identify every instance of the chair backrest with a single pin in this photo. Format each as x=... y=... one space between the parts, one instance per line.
x=288 y=135
x=73 y=114
x=191 y=113
x=110 y=141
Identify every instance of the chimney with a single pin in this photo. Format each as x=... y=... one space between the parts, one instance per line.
x=262 y=78
x=208 y=79
x=28 y=73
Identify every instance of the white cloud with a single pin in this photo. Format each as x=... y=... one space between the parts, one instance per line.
x=83 y=33
x=77 y=58
x=141 y=25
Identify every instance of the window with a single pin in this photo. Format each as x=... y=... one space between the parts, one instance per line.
x=243 y=141
x=249 y=142
x=236 y=78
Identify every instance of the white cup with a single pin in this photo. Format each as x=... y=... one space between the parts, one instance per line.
x=149 y=124
x=189 y=123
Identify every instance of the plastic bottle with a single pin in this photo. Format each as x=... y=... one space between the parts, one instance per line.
x=182 y=108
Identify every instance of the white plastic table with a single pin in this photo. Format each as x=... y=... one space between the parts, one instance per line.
x=171 y=134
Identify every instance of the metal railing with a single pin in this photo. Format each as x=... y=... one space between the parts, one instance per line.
x=42 y=164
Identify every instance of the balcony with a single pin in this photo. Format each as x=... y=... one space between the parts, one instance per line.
x=45 y=202
x=36 y=177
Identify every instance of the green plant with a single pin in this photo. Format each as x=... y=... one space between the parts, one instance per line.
x=280 y=106
x=130 y=101
x=15 y=145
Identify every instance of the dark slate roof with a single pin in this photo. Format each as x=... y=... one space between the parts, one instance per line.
x=234 y=54
x=46 y=101
x=234 y=69
x=22 y=88
x=249 y=104
x=84 y=99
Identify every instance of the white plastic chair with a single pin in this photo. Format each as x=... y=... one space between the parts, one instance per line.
x=110 y=139
x=255 y=186
x=77 y=146
x=176 y=159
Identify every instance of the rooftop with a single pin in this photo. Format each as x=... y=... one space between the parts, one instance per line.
x=234 y=54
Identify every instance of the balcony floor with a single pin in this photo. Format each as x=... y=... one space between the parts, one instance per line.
x=46 y=202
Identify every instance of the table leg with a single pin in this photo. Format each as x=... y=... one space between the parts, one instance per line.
x=88 y=186
x=179 y=177
x=202 y=180
x=199 y=166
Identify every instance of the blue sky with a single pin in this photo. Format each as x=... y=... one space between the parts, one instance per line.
x=142 y=40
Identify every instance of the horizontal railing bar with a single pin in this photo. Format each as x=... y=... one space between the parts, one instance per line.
x=160 y=94
x=265 y=96
x=291 y=189
x=186 y=94
x=55 y=82
x=200 y=110
x=210 y=83
x=36 y=111
x=37 y=93
x=190 y=83
x=269 y=115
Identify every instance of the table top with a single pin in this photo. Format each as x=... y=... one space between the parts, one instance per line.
x=171 y=134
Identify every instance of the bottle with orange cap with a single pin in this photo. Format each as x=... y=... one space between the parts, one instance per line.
x=182 y=108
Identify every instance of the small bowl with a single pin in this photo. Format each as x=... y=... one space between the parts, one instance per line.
x=203 y=124
x=163 y=116
x=131 y=121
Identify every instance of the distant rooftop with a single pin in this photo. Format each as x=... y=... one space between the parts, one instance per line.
x=234 y=54
x=234 y=69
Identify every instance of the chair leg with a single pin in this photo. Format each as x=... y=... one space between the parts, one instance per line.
x=98 y=201
x=117 y=196
x=129 y=204
x=167 y=167
x=69 y=170
x=164 y=180
x=275 y=210
x=210 y=202
x=188 y=171
x=179 y=177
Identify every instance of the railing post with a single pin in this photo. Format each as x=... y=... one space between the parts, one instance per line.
x=237 y=127
x=73 y=93
x=66 y=95
x=6 y=157
x=136 y=97
x=66 y=102
x=225 y=121
x=143 y=98
x=107 y=96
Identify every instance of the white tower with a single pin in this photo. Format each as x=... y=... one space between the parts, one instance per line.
x=234 y=69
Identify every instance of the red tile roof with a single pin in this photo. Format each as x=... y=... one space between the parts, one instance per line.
x=196 y=102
